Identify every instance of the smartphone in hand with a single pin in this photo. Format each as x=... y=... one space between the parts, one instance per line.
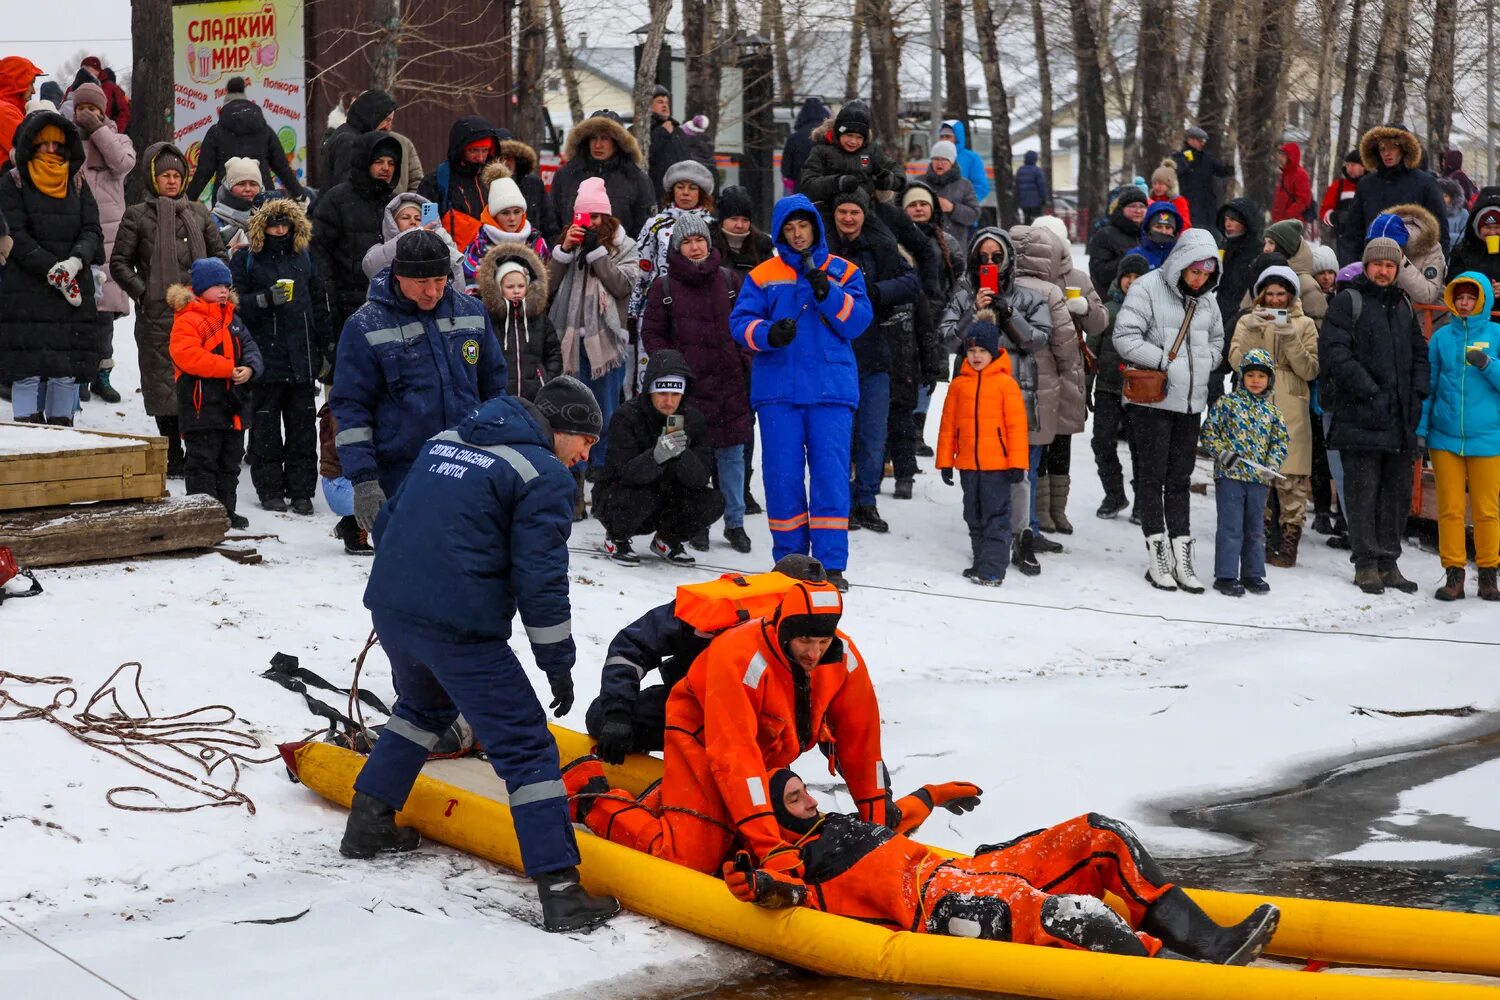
x=429 y=213
x=581 y=220
x=989 y=277
x=676 y=422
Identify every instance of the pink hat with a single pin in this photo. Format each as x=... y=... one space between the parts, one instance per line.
x=592 y=197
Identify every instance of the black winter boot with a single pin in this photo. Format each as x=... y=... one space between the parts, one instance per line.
x=1393 y=579
x=356 y=542
x=1489 y=589
x=102 y=388
x=737 y=539
x=60 y=421
x=1111 y=505
x=902 y=490
x=924 y=450
x=1023 y=554
x=372 y=829
x=868 y=517
x=567 y=907
x=1185 y=928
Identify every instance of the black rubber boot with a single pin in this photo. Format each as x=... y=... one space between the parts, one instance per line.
x=868 y=517
x=1186 y=929
x=372 y=830
x=923 y=449
x=1111 y=505
x=1023 y=555
x=567 y=907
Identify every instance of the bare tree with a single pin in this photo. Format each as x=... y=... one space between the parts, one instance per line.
x=1218 y=59
x=773 y=28
x=1319 y=160
x=1093 y=129
x=645 y=73
x=955 y=74
x=1159 y=98
x=1380 y=70
x=856 y=39
x=153 y=98
x=1351 y=76
x=1044 y=85
x=1127 y=100
x=994 y=85
x=565 y=61
x=703 y=52
x=1399 y=61
x=531 y=61
x=1440 y=76
x=885 y=75
x=1261 y=100
x=385 y=49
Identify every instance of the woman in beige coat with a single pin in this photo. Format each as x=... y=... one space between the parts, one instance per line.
x=1292 y=340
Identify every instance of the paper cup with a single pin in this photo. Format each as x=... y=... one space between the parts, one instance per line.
x=288 y=284
x=1220 y=252
x=1492 y=244
x=1074 y=292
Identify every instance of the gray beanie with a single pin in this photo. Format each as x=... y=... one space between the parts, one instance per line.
x=689 y=224
x=1382 y=248
x=569 y=406
x=691 y=171
x=1197 y=133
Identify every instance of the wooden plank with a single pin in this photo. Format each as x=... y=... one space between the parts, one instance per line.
x=24 y=495
x=113 y=531
x=40 y=431
x=75 y=465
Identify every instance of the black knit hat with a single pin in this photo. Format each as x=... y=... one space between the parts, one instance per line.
x=1353 y=157
x=853 y=117
x=421 y=253
x=857 y=197
x=734 y=200
x=660 y=91
x=780 y=778
x=570 y=408
x=1133 y=263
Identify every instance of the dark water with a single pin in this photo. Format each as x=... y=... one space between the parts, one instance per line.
x=1293 y=831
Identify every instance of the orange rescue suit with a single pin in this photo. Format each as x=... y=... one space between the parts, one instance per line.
x=742 y=712
x=984 y=425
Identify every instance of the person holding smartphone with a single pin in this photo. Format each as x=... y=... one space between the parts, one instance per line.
x=403 y=213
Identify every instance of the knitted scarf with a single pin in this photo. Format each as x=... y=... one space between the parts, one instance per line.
x=49 y=172
x=587 y=315
x=165 y=271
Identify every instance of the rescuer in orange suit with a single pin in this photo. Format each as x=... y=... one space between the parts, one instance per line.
x=1044 y=888
x=755 y=700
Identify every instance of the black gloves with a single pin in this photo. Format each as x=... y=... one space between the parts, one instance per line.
x=947 y=475
x=783 y=332
x=562 y=694
x=615 y=736
x=872 y=291
x=590 y=242
x=850 y=182
x=818 y=279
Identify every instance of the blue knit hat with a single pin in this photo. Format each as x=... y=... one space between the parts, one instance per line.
x=984 y=332
x=208 y=272
x=1389 y=226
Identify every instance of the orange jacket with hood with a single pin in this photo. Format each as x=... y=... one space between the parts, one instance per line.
x=984 y=425
x=17 y=73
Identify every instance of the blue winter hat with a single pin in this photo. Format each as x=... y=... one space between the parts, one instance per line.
x=984 y=332
x=208 y=272
x=1390 y=227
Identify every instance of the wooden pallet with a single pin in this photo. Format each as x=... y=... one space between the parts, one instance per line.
x=42 y=466
x=65 y=536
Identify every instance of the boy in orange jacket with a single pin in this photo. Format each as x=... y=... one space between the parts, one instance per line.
x=213 y=356
x=984 y=436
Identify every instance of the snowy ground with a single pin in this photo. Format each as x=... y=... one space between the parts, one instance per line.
x=1082 y=689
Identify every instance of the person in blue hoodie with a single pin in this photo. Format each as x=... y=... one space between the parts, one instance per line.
x=797 y=314
x=415 y=359
x=478 y=533
x=1461 y=425
x=1032 y=192
x=970 y=163
x=1159 y=232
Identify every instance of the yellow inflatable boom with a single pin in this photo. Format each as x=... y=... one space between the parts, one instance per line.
x=831 y=945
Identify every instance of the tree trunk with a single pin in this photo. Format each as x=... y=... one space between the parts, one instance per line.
x=152 y=89
x=1262 y=105
x=1246 y=29
x=531 y=60
x=1376 y=89
x=1351 y=79
x=1160 y=129
x=1318 y=160
x=1093 y=131
x=773 y=28
x=385 y=53
x=885 y=77
x=565 y=61
x=1126 y=101
x=1399 y=61
x=956 y=103
x=1218 y=60
x=703 y=56
x=645 y=74
x=994 y=85
x=856 y=40
x=1440 y=77
x=1044 y=83
x=1196 y=42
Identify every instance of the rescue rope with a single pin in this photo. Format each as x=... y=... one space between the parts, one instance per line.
x=185 y=749
x=1119 y=613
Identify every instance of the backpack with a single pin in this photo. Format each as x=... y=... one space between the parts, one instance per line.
x=731 y=282
x=715 y=605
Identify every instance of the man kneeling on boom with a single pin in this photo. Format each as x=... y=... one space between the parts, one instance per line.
x=1044 y=888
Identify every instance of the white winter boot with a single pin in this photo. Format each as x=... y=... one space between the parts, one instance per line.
x=1182 y=565
x=1159 y=563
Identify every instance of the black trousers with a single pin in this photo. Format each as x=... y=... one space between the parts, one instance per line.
x=901 y=441
x=1166 y=445
x=284 y=466
x=106 y=329
x=1378 y=485
x=1110 y=414
x=672 y=511
x=1057 y=458
x=1322 y=476
x=171 y=429
x=213 y=464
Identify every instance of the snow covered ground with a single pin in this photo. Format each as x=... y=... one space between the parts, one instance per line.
x=1082 y=689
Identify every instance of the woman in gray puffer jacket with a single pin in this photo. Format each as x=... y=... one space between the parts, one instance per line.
x=1165 y=433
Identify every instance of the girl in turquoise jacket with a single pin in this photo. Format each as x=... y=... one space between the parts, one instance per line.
x=1461 y=425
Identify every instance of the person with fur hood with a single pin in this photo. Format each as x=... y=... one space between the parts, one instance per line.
x=1286 y=238
x=512 y=282
x=523 y=163
x=1164 y=188
x=505 y=219
x=457 y=185
x=600 y=147
x=1393 y=176
x=1293 y=198
x=1417 y=232
x=1120 y=235
x=284 y=306
x=404 y=212
x=1175 y=299
x=1277 y=327
x=1025 y=320
x=688 y=189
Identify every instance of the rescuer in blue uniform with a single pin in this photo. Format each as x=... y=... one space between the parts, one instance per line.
x=478 y=532
x=797 y=314
x=418 y=357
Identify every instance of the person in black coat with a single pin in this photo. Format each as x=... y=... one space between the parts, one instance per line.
x=1117 y=237
x=1471 y=253
x=242 y=131
x=47 y=311
x=1393 y=176
x=283 y=304
x=347 y=221
x=799 y=144
x=524 y=165
x=740 y=244
x=533 y=351
x=367 y=114
x=668 y=145
x=1374 y=376
x=1240 y=222
x=1198 y=175
x=455 y=185
x=599 y=146
x=842 y=159
x=657 y=478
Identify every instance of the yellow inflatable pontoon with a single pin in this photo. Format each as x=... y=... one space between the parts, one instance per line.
x=461 y=803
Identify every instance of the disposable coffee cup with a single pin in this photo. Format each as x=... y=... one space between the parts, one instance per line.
x=1074 y=292
x=286 y=285
x=1492 y=244
x=1220 y=252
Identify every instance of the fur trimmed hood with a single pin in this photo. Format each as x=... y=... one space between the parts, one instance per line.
x=294 y=213
x=1369 y=148
x=1422 y=232
x=525 y=157
x=489 y=286
x=575 y=145
x=179 y=297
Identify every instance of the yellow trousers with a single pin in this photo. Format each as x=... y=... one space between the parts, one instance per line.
x=1482 y=476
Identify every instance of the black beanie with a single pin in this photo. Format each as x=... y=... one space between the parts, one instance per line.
x=421 y=253
x=569 y=406
x=857 y=197
x=734 y=200
x=777 y=788
x=1353 y=157
x=1133 y=263
x=853 y=117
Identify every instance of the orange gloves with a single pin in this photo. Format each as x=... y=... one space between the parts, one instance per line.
x=957 y=797
x=771 y=889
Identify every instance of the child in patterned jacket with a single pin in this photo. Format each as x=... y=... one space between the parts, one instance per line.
x=1242 y=428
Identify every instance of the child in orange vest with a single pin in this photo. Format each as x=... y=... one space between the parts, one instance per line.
x=213 y=356
x=984 y=436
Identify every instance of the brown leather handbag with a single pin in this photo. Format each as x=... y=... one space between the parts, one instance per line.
x=1149 y=385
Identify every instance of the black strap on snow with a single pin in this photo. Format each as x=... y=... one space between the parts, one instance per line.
x=286 y=671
